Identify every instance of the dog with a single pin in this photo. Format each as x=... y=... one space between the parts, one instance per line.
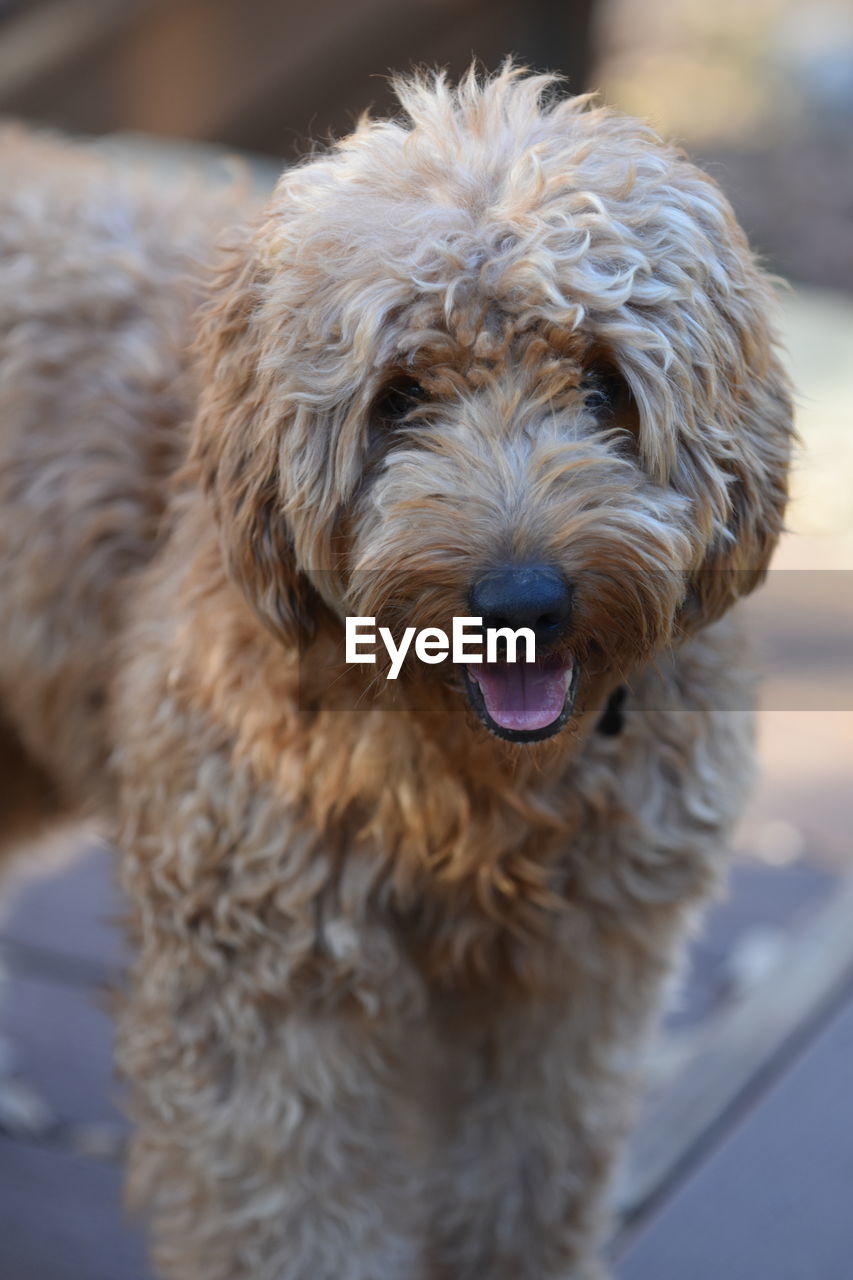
x=509 y=357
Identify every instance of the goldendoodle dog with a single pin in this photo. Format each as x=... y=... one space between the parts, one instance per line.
x=506 y=357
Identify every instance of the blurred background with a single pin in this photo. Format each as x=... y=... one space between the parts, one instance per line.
x=743 y=1165
x=763 y=92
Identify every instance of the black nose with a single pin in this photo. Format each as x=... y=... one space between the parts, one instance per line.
x=530 y=595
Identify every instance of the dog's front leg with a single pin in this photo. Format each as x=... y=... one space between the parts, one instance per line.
x=534 y=1119
x=539 y=1095
x=269 y=1132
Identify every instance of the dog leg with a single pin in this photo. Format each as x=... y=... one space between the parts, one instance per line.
x=267 y=1149
x=540 y=1097
x=520 y=1197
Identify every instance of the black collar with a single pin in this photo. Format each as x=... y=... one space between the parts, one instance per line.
x=612 y=720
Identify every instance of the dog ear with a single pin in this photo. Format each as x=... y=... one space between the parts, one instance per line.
x=745 y=515
x=736 y=437
x=235 y=449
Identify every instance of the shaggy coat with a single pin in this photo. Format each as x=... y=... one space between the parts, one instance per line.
x=392 y=973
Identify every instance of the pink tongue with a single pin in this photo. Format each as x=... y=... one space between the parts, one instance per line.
x=523 y=695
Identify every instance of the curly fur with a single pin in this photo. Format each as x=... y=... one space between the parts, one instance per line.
x=391 y=973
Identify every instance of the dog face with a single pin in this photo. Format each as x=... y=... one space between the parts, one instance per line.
x=512 y=357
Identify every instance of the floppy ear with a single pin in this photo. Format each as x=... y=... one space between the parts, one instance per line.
x=236 y=444
x=755 y=472
x=757 y=494
x=734 y=453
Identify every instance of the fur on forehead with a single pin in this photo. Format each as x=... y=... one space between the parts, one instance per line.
x=550 y=209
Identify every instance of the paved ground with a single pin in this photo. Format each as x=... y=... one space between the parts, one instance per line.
x=773 y=1201
x=60 y=1215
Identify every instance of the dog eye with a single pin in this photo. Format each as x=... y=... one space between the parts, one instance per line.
x=399 y=398
x=604 y=388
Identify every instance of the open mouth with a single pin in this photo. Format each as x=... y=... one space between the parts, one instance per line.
x=523 y=701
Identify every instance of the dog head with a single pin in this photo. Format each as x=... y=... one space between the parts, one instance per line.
x=509 y=356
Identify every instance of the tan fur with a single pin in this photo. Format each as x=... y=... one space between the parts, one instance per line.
x=392 y=973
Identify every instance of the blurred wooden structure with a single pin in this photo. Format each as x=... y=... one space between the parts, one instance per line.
x=263 y=75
